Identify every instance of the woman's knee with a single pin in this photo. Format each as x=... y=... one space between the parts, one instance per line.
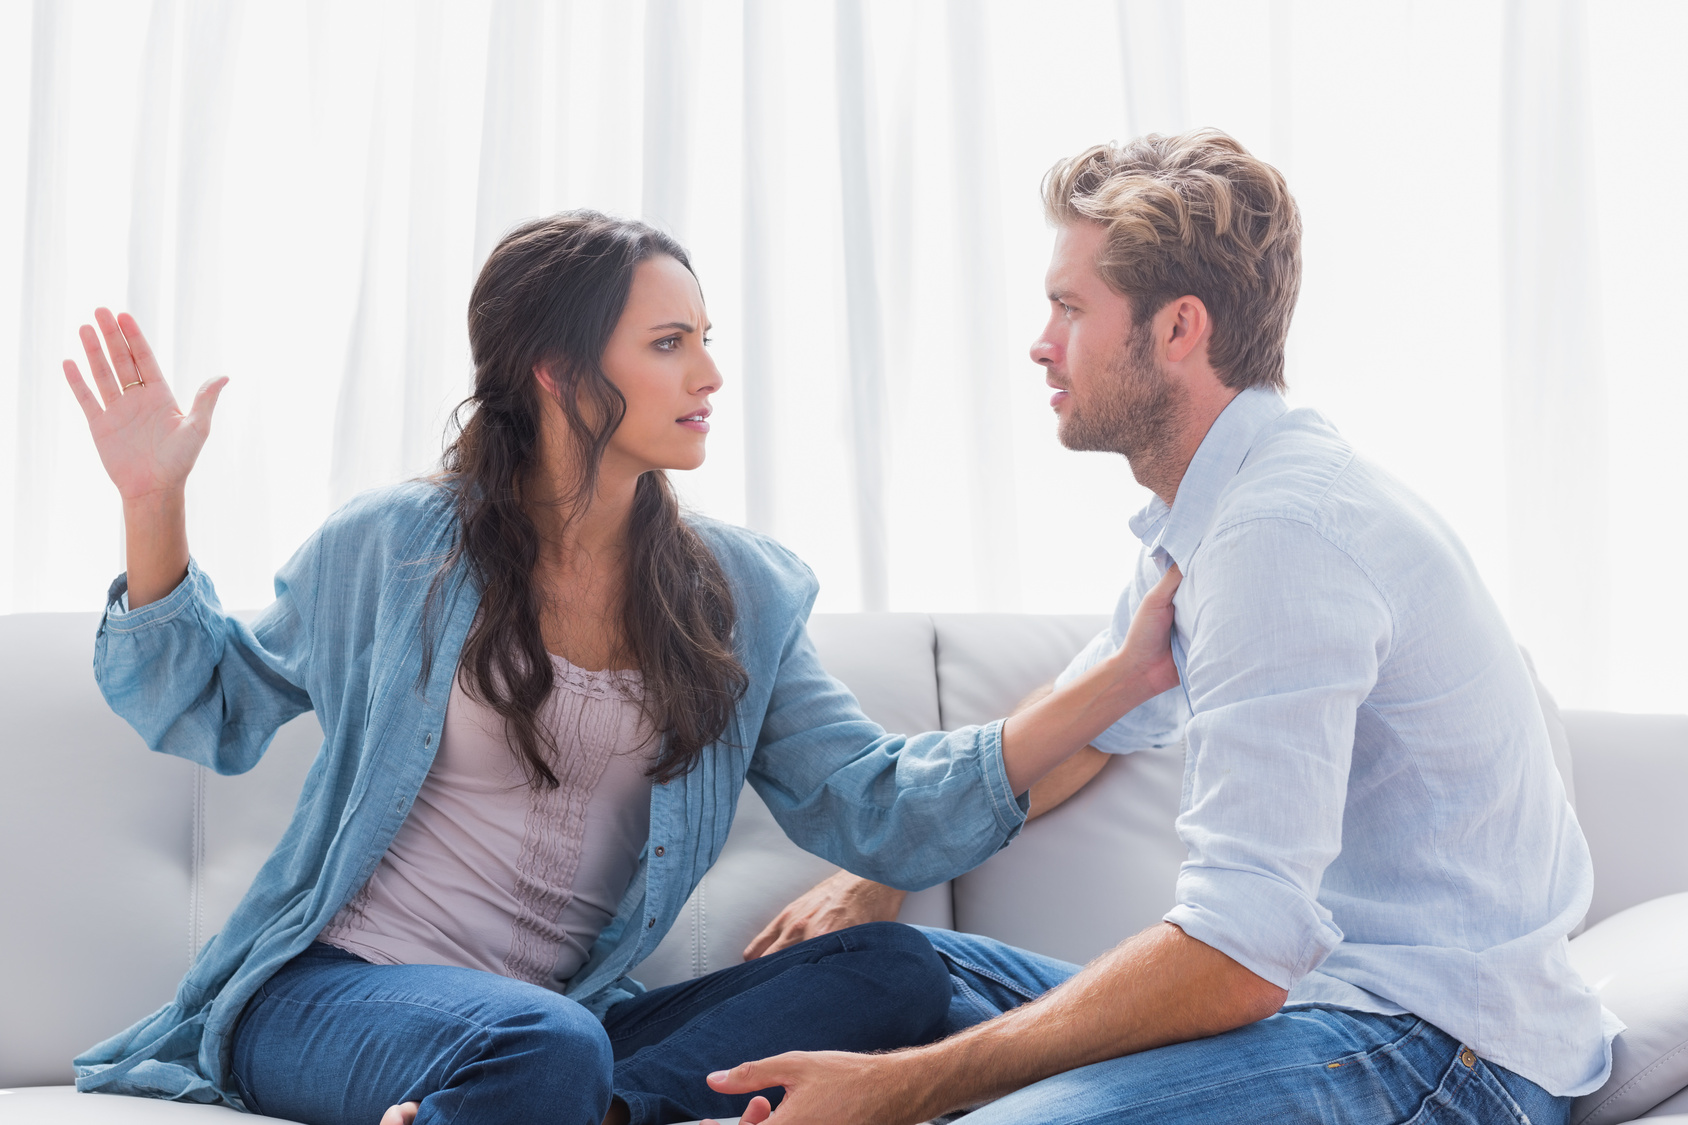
x=557 y=1053
x=917 y=977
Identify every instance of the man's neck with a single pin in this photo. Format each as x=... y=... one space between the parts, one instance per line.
x=1161 y=470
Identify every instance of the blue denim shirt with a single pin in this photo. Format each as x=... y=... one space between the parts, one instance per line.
x=345 y=638
x=1370 y=804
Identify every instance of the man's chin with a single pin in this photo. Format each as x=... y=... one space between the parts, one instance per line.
x=1070 y=433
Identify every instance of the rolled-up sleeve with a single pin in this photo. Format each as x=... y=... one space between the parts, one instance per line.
x=199 y=683
x=1287 y=634
x=906 y=810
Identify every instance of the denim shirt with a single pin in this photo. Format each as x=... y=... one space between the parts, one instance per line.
x=1371 y=810
x=346 y=638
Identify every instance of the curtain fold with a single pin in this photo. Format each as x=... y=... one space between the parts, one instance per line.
x=300 y=197
x=1555 y=393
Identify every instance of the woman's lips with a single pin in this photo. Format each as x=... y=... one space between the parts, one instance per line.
x=697 y=422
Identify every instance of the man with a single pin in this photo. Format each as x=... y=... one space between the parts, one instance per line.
x=1371 y=922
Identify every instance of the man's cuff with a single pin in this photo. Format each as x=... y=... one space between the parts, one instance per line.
x=1262 y=923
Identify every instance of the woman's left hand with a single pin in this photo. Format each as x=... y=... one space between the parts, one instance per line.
x=1146 y=654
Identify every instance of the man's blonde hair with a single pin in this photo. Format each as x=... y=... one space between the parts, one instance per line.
x=1193 y=214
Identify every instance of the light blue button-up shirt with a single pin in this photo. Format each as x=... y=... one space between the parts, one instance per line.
x=346 y=637
x=1371 y=808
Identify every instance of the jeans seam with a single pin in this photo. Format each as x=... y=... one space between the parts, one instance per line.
x=841 y=938
x=1390 y=1047
x=1013 y=986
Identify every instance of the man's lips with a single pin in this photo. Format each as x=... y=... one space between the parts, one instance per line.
x=1056 y=399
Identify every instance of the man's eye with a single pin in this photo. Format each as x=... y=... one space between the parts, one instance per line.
x=707 y=340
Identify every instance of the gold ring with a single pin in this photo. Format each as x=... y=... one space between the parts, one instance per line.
x=136 y=383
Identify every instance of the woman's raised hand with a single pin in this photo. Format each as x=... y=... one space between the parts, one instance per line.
x=147 y=445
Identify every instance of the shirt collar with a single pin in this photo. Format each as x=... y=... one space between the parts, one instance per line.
x=1173 y=533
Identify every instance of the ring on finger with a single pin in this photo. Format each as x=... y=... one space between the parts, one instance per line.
x=136 y=383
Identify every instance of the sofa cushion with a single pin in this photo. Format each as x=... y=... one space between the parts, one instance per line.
x=1638 y=962
x=1632 y=771
x=62 y=1105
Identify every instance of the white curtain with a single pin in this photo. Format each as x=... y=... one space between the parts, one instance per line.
x=298 y=196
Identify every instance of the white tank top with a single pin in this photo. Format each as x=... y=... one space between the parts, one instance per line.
x=488 y=872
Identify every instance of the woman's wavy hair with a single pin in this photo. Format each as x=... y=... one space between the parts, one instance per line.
x=550 y=295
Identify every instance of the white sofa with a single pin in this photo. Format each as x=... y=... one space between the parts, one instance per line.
x=118 y=864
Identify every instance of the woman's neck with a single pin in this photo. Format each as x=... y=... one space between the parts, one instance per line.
x=572 y=531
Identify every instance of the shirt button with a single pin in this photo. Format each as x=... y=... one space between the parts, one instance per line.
x=650 y=924
x=660 y=850
x=427 y=740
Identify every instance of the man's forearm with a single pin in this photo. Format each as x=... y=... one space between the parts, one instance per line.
x=1160 y=987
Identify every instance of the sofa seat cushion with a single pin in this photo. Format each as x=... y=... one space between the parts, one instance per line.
x=62 y=1105
x=1636 y=961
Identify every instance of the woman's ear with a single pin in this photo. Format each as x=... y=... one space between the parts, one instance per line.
x=543 y=374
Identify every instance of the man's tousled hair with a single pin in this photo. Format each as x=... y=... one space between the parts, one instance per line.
x=1193 y=214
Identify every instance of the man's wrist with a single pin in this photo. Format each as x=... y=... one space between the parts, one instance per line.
x=928 y=1080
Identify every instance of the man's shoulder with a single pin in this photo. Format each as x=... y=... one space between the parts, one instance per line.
x=1301 y=469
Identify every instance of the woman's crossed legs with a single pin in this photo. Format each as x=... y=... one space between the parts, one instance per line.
x=334 y=1040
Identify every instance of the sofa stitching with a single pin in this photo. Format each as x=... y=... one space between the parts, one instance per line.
x=1629 y=1086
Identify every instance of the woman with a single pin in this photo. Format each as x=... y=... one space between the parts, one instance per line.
x=541 y=689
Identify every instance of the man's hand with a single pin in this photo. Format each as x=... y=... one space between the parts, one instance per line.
x=1157 y=988
x=835 y=903
x=828 y=1088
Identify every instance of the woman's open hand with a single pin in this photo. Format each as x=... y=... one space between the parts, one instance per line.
x=147 y=445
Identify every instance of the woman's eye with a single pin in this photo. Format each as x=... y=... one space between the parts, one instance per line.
x=668 y=343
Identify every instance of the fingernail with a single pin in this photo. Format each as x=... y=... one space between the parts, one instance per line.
x=718 y=1076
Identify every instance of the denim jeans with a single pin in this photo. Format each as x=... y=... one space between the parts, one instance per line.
x=1313 y=1064
x=334 y=1040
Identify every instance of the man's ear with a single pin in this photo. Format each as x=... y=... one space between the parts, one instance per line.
x=1186 y=327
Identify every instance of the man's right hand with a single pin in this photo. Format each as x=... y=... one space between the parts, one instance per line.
x=833 y=904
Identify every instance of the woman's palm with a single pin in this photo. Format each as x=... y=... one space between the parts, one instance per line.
x=145 y=441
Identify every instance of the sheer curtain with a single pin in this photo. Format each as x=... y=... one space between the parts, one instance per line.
x=298 y=196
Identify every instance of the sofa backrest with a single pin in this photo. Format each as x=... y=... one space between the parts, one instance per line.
x=118 y=864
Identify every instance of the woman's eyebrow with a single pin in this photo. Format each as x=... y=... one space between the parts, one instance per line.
x=680 y=324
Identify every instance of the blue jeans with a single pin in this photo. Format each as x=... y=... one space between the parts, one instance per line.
x=1326 y=1065
x=334 y=1040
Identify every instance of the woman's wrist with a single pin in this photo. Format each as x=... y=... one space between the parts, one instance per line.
x=156 y=543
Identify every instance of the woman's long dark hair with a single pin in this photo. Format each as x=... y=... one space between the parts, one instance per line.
x=550 y=294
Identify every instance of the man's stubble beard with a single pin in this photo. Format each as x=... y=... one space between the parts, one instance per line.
x=1136 y=411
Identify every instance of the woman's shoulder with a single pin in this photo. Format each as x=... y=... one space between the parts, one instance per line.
x=389 y=519
x=754 y=561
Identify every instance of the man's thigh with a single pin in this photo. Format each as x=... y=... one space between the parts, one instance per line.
x=989 y=977
x=1315 y=1065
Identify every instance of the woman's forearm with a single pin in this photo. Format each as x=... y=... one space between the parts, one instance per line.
x=155 y=535
x=1041 y=737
